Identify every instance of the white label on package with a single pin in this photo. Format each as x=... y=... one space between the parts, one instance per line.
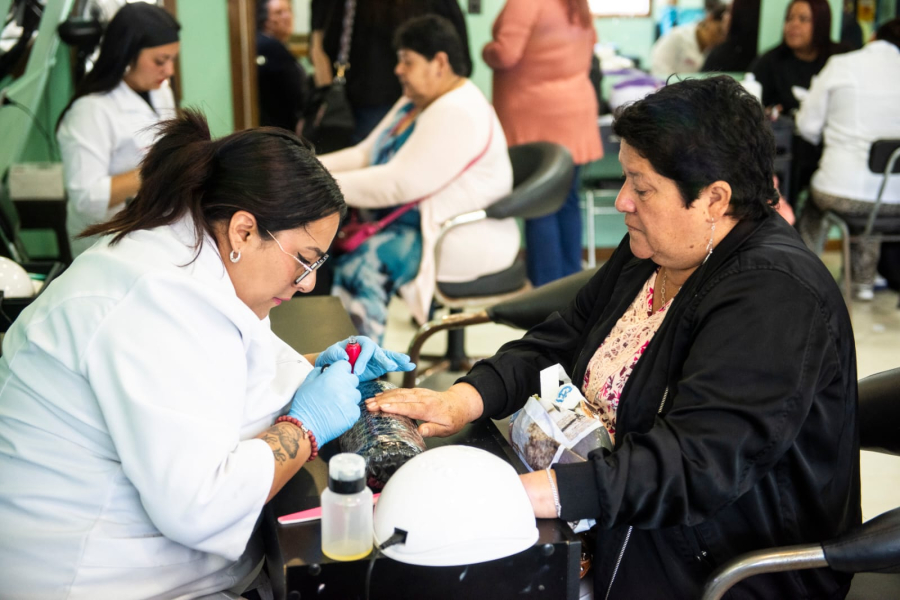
x=563 y=397
x=550 y=378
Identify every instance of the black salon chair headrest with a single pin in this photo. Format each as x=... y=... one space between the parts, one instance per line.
x=542 y=176
x=81 y=32
x=531 y=308
x=879 y=412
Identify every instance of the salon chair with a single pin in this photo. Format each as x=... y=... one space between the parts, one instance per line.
x=872 y=550
x=522 y=312
x=542 y=175
x=884 y=158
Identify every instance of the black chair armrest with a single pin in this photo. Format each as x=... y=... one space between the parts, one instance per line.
x=873 y=546
x=531 y=308
x=879 y=412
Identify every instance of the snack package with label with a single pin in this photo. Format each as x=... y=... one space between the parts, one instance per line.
x=555 y=427
x=385 y=441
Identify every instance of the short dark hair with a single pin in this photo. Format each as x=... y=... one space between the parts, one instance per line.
x=267 y=171
x=889 y=32
x=430 y=34
x=699 y=131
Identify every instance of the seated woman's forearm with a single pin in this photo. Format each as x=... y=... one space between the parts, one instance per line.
x=540 y=493
x=290 y=449
x=124 y=186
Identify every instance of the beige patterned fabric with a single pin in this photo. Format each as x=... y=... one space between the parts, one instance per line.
x=614 y=360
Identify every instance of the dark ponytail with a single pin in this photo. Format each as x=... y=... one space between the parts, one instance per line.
x=268 y=172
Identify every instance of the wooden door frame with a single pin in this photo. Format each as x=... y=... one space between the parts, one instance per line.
x=242 y=44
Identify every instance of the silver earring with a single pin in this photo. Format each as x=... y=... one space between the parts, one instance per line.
x=709 y=246
x=234 y=256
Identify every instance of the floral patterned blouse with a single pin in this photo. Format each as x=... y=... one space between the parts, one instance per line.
x=614 y=360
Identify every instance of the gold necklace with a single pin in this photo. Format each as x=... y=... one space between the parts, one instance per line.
x=665 y=277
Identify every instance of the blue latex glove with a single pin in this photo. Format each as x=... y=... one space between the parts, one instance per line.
x=373 y=361
x=328 y=402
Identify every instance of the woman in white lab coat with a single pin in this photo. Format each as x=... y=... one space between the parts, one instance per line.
x=138 y=392
x=107 y=128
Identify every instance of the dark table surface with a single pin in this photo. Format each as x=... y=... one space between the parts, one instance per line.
x=549 y=569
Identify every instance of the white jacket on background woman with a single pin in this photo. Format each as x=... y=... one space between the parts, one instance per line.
x=100 y=136
x=455 y=129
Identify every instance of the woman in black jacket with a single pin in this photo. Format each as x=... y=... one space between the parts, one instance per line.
x=715 y=348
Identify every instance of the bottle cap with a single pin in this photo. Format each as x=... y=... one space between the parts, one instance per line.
x=347 y=473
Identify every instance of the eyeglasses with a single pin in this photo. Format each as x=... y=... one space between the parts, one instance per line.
x=309 y=268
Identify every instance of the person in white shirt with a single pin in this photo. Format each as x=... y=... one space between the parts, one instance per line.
x=443 y=144
x=851 y=103
x=108 y=125
x=140 y=393
x=685 y=48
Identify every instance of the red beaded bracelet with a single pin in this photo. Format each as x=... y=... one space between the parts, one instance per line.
x=314 y=446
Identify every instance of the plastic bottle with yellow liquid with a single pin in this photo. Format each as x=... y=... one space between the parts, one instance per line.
x=347 y=509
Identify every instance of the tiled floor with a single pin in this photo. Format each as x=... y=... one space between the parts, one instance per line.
x=876 y=326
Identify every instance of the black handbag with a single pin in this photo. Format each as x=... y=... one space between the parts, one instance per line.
x=329 y=121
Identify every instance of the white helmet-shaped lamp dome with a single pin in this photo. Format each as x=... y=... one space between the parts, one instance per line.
x=454 y=505
x=14 y=281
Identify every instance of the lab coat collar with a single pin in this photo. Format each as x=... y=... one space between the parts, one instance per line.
x=209 y=267
x=130 y=101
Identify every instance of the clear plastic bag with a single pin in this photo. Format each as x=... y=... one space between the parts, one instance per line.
x=543 y=436
x=385 y=441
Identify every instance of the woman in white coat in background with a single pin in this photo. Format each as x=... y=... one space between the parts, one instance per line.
x=107 y=127
x=140 y=394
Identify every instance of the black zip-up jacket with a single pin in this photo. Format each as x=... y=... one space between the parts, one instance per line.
x=736 y=431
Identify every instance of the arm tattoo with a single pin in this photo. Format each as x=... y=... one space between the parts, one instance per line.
x=284 y=440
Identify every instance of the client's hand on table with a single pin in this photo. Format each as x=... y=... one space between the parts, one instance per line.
x=328 y=402
x=373 y=361
x=443 y=413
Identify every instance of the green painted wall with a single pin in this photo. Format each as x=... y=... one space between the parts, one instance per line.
x=480 y=34
x=633 y=36
x=205 y=62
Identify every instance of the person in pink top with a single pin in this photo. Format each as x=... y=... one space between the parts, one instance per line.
x=541 y=56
